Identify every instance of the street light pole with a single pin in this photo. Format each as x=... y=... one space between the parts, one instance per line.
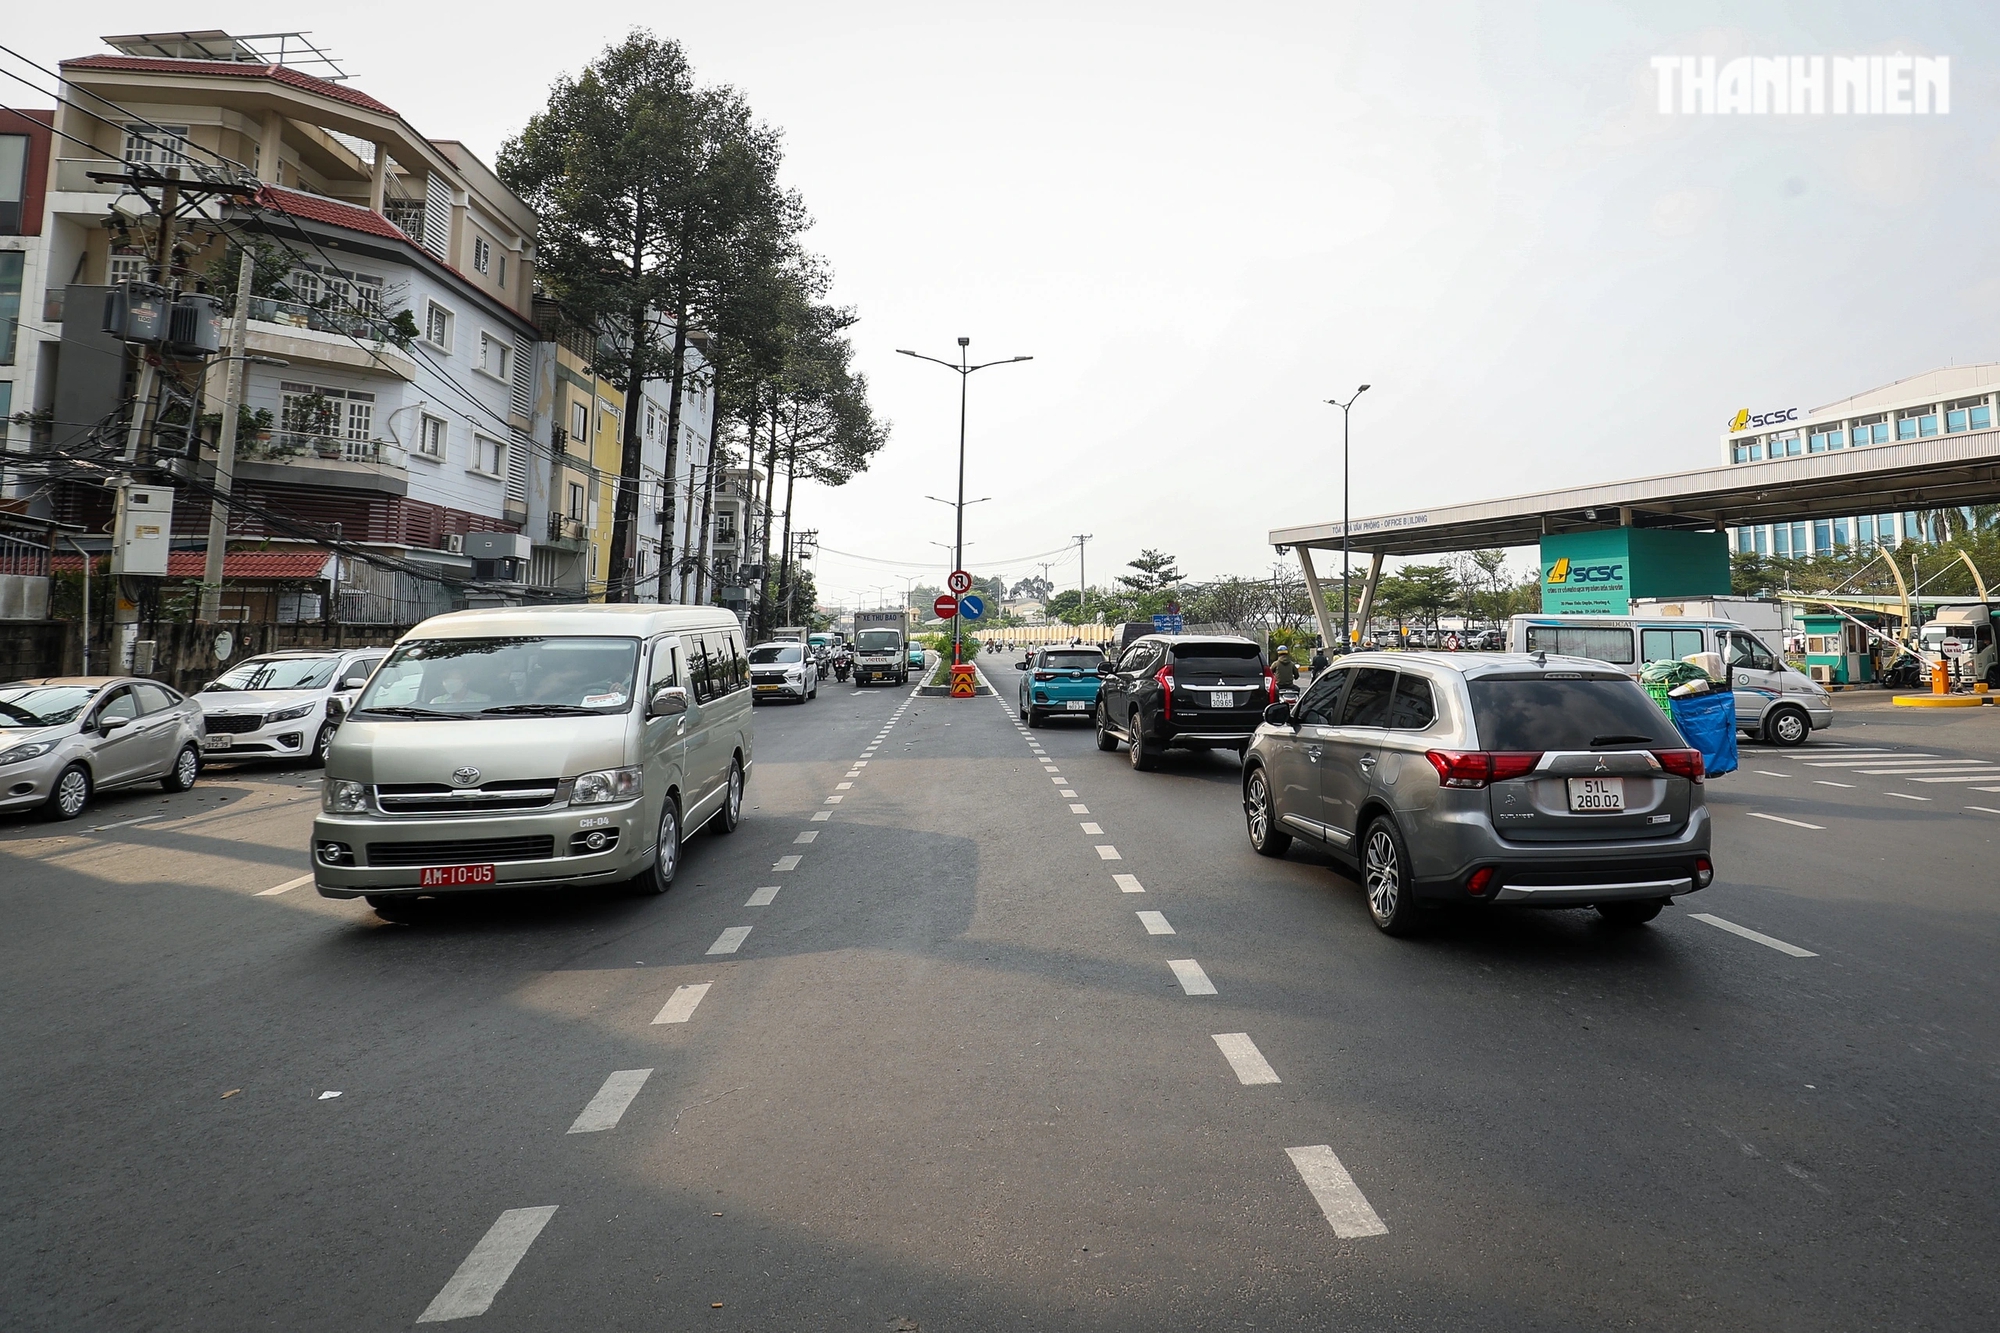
x=964 y=369
x=1346 y=598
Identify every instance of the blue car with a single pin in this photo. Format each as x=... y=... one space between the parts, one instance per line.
x=916 y=656
x=1060 y=681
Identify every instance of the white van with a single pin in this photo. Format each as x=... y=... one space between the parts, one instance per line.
x=1772 y=700
x=536 y=747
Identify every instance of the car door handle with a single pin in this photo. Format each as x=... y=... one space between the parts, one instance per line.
x=1367 y=762
x=1312 y=753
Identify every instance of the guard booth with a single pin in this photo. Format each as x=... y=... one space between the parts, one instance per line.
x=1837 y=651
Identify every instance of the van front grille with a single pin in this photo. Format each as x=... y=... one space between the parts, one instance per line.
x=460 y=852
x=435 y=798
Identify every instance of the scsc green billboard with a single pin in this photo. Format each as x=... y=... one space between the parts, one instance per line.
x=1601 y=571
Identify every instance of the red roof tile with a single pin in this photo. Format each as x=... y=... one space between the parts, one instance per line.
x=263 y=565
x=319 y=208
x=233 y=69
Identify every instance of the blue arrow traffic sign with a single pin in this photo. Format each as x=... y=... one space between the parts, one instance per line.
x=971 y=606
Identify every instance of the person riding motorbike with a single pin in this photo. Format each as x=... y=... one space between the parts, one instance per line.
x=842 y=663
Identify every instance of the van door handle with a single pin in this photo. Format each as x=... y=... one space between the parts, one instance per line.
x=1367 y=762
x=1312 y=754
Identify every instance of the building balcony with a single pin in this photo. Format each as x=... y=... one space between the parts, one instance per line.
x=295 y=458
x=569 y=534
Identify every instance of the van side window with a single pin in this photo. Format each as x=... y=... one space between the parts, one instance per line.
x=1604 y=643
x=1661 y=645
x=1745 y=651
x=699 y=677
x=1414 y=708
x=662 y=672
x=738 y=675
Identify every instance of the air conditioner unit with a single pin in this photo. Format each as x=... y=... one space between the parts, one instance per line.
x=1822 y=674
x=455 y=542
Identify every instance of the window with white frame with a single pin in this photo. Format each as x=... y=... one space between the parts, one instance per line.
x=1967 y=414
x=482 y=254
x=607 y=418
x=437 y=326
x=430 y=437
x=127 y=268
x=156 y=145
x=493 y=356
x=488 y=455
x=360 y=415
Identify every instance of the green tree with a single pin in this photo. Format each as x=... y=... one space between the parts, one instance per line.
x=1156 y=572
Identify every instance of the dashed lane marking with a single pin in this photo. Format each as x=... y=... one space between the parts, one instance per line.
x=1749 y=934
x=286 y=887
x=1193 y=980
x=1930 y=761
x=1079 y=809
x=1769 y=774
x=1961 y=777
x=1065 y=792
x=1059 y=779
x=787 y=863
x=608 y=1106
x=1903 y=795
x=1155 y=923
x=1822 y=782
x=807 y=836
x=730 y=940
x=486 y=1270
x=1106 y=852
x=1249 y=1063
x=1795 y=823
x=1093 y=829
x=843 y=786
x=1984 y=810
x=1128 y=883
x=833 y=800
x=861 y=763
x=1346 y=1208
x=822 y=816
x=680 y=1006
x=762 y=897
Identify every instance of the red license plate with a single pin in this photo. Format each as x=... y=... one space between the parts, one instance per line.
x=447 y=877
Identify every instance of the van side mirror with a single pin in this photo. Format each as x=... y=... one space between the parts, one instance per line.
x=1278 y=715
x=667 y=701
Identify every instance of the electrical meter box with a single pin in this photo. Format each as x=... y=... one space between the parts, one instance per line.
x=144 y=525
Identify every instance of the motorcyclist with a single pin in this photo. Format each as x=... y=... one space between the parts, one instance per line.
x=1285 y=670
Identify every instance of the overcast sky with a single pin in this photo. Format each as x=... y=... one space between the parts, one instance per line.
x=1203 y=220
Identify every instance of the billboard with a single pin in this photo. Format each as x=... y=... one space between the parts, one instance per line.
x=1600 y=572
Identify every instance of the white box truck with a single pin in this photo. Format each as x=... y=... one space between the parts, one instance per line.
x=881 y=646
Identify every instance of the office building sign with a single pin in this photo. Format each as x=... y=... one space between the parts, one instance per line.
x=1745 y=419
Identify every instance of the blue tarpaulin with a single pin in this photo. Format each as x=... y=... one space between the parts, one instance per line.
x=1708 y=721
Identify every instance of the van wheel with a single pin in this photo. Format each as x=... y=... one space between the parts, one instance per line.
x=187 y=767
x=1260 y=814
x=1385 y=874
x=1630 y=913
x=396 y=907
x=1106 y=741
x=658 y=876
x=731 y=813
x=1787 y=726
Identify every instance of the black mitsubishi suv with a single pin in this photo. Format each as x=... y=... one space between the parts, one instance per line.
x=1184 y=692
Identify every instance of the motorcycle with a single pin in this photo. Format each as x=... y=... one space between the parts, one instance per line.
x=842 y=665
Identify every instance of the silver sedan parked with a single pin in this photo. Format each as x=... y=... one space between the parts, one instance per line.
x=63 y=738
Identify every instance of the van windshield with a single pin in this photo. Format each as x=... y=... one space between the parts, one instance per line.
x=524 y=676
x=877 y=640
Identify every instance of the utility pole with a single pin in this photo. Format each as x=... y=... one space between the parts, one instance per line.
x=1082 y=583
x=163 y=275
x=225 y=448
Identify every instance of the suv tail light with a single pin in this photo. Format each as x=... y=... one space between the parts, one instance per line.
x=1045 y=675
x=1165 y=675
x=1270 y=685
x=1682 y=763
x=1704 y=872
x=1476 y=768
x=1480 y=879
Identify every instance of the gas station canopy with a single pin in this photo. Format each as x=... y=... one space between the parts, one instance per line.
x=1936 y=473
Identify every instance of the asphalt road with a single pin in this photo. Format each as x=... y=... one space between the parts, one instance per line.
x=952 y=1078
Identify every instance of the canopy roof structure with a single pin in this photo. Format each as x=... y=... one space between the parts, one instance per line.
x=1941 y=472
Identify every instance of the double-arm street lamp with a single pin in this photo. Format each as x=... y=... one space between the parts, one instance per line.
x=1346 y=632
x=964 y=369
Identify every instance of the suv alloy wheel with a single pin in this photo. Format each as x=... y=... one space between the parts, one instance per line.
x=1260 y=815
x=1142 y=758
x=1107 y=740
x=1385 y=874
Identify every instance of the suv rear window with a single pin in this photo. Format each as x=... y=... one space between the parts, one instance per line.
x=1541 y=714
x=1232 y=662
x=1072 y=661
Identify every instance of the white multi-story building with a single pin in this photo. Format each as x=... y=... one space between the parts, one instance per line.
x=1939 y=402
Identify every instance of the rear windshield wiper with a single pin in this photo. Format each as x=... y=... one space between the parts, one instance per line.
x=1596 y=741
x=541 y=710
x=402 y=710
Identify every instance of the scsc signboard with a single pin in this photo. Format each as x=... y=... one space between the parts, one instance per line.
x=1601 y=572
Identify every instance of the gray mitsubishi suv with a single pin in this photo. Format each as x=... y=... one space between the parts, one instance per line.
x=1501 y=778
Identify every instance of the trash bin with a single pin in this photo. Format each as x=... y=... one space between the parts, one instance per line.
x=1708 y=722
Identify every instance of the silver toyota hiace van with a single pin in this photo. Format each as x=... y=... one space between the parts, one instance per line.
x=536 y=747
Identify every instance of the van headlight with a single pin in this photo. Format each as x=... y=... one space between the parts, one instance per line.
x=340 y=797
x=606 y=786
x=290 y=714
x=32 y=750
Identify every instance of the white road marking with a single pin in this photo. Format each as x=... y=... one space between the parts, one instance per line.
x=1193 y=980
x=1984 y=810
x=126 y=823
x=1822 y=782
x=833 y=800
x=788 y=863
x=843 y=786
x=1749 y=934
x=679 y=1007
x=1066 y=792
x=1155 y=923
x=1959 y=777
x=1106 y=852
x=1058 y=779
x=1335 y=1192
x=479 y=1279
x=762 y=897
x=1905 y=796
x=853 y=773
x=328 y=1096
x=1249 y=1063
x=1051 y=768
x=730 y=940
x=1879 y=760
x=1127 y=883
x=861 y=763
x=1092 y=828
x=608 y=1106
x=1795 y=823
x=820 y=817
x=807 y=836
x=286 y=887
x=1986 y=788
x=1769 y=774
x=1968 y=767
x=1079 y=809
